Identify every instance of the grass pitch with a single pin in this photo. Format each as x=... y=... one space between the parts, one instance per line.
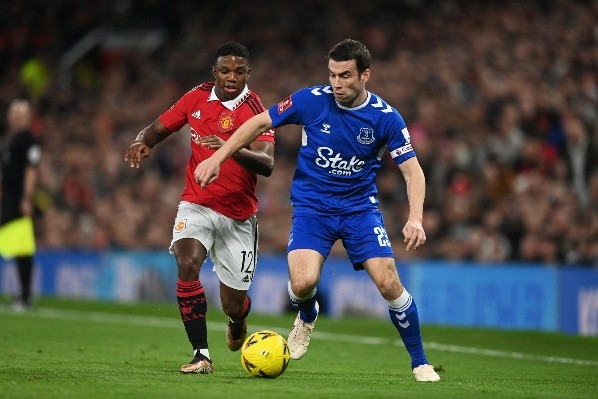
x=74 y=349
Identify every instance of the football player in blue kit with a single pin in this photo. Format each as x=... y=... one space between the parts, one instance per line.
x=346 y=129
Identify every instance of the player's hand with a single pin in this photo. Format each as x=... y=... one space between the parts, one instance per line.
x=414 y=234
x=212 y=142
x=206 y=172
x=136 y=152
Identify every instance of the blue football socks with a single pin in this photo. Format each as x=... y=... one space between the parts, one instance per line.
x=307 y=305
x=403 y=314
x=307 y=310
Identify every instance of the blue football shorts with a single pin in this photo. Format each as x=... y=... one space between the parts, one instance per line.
x=363 y=235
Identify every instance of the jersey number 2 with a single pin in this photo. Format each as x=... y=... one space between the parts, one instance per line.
x=248 y=265
x=382 y=237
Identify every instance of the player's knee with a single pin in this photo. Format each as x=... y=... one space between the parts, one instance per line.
x=304 y=292
x=390 y=289
x=188 y=267
x=301 y=289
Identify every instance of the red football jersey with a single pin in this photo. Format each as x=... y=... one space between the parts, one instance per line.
x=233 y=193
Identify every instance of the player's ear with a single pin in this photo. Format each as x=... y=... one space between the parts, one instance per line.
x=365 y=76
x=214 y=72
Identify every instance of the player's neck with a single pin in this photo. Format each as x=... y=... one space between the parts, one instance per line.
x=359 y=100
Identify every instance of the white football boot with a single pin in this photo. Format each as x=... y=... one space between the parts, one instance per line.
x=426 y=373
x=299 y=336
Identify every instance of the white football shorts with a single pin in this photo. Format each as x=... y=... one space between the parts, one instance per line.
x=231 y=244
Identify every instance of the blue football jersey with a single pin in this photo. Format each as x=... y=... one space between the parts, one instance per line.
x=341 y=149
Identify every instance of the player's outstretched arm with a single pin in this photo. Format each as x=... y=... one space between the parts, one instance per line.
x=142 y=146
x=258 y=157
x=207 y=171
x=413 y=231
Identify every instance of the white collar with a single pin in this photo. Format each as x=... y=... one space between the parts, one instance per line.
x=363 y=104
x=235 y=102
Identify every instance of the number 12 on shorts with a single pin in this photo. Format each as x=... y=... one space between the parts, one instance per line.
x=248 y=264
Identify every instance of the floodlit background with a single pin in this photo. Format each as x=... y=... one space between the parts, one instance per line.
x=501 y=100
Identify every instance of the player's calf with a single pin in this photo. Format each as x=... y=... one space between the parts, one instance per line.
x=236 y=332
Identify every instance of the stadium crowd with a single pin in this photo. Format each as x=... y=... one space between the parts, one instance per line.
x=501 y=100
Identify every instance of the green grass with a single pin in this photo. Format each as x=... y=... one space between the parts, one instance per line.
x=75 y=349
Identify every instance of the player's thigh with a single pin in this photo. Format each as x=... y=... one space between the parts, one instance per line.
x=305 y=267
x=383 y=273
x=235 y=251
x=310 y=241
x=364 y=237
x=192 y=237
x=194 y=221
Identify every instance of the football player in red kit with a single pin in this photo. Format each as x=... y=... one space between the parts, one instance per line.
x=219 y=220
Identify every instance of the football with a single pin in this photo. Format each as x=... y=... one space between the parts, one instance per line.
x=265 y=354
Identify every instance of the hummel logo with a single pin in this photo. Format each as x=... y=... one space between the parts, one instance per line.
x=196 y=114
x=325 y=128
x=401 y=317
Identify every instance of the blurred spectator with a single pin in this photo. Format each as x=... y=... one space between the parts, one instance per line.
x=501 y=101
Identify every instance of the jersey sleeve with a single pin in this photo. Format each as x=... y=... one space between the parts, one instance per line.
x=268 y=135
x=399 y=141
x=257 y=107
x=298 y=108
x=34 y=153
x=176 y=116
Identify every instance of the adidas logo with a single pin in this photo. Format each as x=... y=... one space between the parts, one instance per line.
x=246 y=279
x=196 y=114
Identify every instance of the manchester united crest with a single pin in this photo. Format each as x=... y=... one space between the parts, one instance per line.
x=180 y=225
x=226 y=122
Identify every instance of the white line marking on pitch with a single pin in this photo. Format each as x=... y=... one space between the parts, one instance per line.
x=161 y=322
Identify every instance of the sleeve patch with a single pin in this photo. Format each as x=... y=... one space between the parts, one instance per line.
x=406 y=135
x=401 y=151
x=34 y=155
x=285 y=104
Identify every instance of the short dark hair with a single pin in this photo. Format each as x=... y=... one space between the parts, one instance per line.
x=231 y=48
x=350 y=49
